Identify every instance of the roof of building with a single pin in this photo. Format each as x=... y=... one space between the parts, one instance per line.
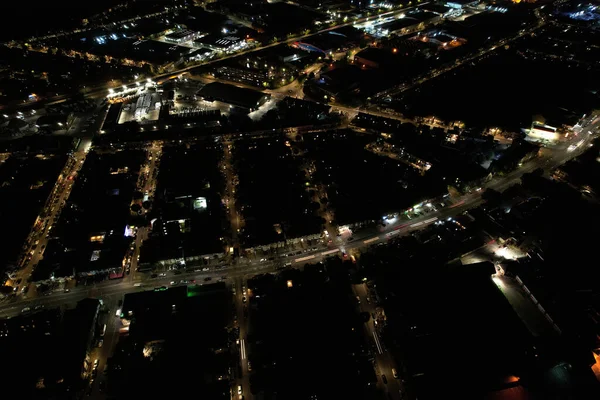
x=380 y=56
x=219 y=41
x=463 y=2
x=423 y=15
x=152 y=300
x=180 y=34
x=112 y=116
x=398 y=24
x=79 y=325
x=436 y=8
x=328 y=41
x=230 y=94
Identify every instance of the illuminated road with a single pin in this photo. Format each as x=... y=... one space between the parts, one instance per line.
x=243 y=323
x=246 y=267
x=146 y=185
x=384 y=362
x=101 y=91
x=51 y=211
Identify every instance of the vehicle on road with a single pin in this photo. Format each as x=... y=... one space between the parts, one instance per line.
x=395 y=373
x=384 y=379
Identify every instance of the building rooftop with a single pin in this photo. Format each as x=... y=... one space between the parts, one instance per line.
x=245 y=98
x=179 y=34
x=398 y=24
x=380 y=56
x=159 y=299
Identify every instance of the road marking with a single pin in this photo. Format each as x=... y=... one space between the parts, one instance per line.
x=304 y=258
x=243 y=346
x=379 y=349
x=325 y=253
x=417 y=224
x=371 y=240
x=430 y=220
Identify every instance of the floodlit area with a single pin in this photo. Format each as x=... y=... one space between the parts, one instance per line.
x=262 y=110
x=509 y=252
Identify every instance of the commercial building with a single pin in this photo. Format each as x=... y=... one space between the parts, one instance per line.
x=183 y=36
x=438 y=9
x=243 y=98
x=410 y=23
x=113 y=115
x=161 y=300
x=372 y=57
x=200 y=55
x=461 y=4
x=441 y=39
x=290 y=54
x=542 y=132
x=249 y=76
x=146 y=103
x=221 y=43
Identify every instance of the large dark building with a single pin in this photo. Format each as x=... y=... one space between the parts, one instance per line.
x=243 y=98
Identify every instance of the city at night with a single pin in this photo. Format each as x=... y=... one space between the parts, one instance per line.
x=300 y=200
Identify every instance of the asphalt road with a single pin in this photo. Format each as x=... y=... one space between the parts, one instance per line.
x=52 y=209
x=249 y=267
x=384 y=361
x=236 y=273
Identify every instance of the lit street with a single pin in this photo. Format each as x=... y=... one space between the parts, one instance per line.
x=253 y=267
x=300 y=200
